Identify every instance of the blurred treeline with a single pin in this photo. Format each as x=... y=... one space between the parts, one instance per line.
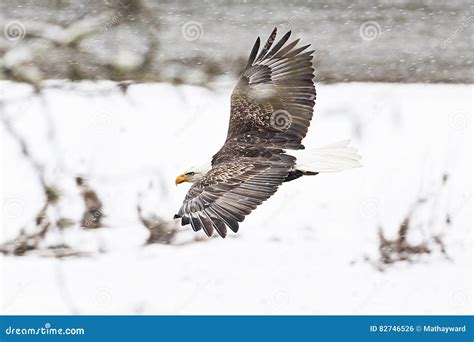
x=194 y=41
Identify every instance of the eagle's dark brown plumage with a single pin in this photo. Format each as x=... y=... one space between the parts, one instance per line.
x=271 y=109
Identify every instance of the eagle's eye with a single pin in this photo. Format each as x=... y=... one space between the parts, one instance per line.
x=190 y=173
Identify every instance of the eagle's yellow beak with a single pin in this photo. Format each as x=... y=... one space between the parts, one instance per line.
x=180 y=179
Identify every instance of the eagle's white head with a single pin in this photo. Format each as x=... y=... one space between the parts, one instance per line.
x=194 y=173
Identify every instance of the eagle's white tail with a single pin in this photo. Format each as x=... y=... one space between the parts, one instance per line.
x=330 y=158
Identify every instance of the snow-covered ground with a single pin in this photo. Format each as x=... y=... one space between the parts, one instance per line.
x=309 y=249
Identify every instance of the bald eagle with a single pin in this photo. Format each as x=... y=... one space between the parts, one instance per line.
x=271 y=110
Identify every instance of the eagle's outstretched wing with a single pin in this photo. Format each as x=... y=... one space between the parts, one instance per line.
x=271 y=109
x=273 y=100
x=232 y=189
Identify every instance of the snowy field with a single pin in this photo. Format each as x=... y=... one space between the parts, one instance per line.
x=313 y=248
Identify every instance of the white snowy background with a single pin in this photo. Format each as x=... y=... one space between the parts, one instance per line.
x=310 y=249
x=404 y=98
